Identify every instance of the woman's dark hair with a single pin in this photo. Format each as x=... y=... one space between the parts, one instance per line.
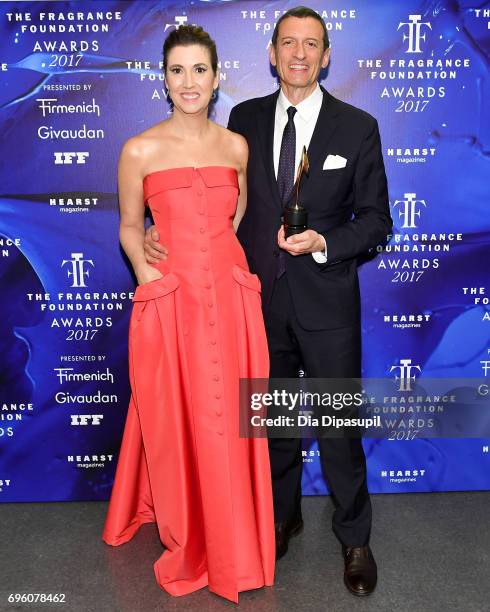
x=301 y=12
x=187 y=35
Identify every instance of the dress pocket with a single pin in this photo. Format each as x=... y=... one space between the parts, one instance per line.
x=246 y=278
x=156 y=288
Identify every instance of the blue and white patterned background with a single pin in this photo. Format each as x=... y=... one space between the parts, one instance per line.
x=421 y=68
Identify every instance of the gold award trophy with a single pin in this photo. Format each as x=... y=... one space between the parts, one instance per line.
x=295 y=216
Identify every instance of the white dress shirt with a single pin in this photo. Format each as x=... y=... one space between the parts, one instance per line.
x=305 y=120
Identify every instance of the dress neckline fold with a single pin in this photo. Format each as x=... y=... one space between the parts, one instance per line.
x=187 y=168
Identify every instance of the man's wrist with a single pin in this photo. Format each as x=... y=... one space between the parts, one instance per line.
x=322 y=244
x=320 y=256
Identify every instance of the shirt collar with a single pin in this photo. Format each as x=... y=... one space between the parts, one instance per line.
x=305 y=109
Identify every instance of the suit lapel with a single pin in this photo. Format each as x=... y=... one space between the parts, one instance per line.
x=325 y=127
x=265 y=129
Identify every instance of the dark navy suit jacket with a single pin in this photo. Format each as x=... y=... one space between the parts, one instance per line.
x=348 y=206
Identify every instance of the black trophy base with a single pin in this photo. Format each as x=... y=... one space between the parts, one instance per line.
x=291 y=230
x=295 y=221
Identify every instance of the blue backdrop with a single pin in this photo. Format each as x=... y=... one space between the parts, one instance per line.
x=79 y=78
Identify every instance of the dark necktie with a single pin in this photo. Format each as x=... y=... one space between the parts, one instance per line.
x=287 y=158
x=285 y=173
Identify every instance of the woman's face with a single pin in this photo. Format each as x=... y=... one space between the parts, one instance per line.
x=190 y=78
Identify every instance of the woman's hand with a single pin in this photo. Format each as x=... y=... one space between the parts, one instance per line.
x=154 y=251
x=146 y=274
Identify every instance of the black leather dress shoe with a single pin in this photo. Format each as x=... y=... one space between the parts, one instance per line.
x=360 y=573
x=284 y=531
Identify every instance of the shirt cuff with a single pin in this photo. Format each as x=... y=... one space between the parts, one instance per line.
x=321 y=256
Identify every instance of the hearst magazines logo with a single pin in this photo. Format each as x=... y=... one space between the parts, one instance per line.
x=415 y=31
x=411 y=155
x=77 y=269
x=400 y=476
x=76 y=204
x=407 y=320
x=409 y=209
x=406 y=376
x=90 y=461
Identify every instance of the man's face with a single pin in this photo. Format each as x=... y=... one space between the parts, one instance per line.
x=298 y=55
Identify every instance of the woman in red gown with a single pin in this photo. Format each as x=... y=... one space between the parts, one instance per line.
x=196 y=328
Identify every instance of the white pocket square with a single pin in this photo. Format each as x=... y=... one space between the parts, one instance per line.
x=332 y=162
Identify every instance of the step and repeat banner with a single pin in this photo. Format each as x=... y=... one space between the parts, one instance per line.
x=79 y=78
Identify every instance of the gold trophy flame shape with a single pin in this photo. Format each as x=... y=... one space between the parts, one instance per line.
x=296 y=216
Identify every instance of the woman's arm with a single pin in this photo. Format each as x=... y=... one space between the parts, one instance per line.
x=132 y=210
x=241 y=148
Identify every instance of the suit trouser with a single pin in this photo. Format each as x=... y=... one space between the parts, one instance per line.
x=324 y=354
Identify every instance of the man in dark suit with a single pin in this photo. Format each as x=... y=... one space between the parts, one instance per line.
x=310 y=289
x=311 y=302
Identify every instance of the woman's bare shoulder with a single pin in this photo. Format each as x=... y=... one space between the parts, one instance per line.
x=140 y=146
x=235 y=144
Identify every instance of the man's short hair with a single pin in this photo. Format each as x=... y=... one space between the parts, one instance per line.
x=301 y=12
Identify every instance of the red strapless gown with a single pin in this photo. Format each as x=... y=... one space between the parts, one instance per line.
x=192 y=335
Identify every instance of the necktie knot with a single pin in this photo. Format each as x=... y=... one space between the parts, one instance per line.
x=291 y=112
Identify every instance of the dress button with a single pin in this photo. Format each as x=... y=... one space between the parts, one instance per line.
x=204 y=249
x=213 y=342
x=199 y=192
x=210 y=304
x=218 y=396
x=201 y=212
x=211 y=323
x=206 y=268
x=202 y=230
x=214 y=360
x=220 y=432
x=208 y=286
x=216 y=378
x=219 y=412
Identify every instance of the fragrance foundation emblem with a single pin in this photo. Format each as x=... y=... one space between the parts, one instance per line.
x=420 y=71
x=78 y=271
x=406 y=378
x=409 y=209
x=413 y=32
